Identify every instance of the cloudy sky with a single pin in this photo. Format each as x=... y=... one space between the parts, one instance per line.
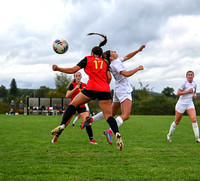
x=170 y=30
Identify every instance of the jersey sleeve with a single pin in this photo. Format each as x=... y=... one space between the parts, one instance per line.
x=83 y=63
x=117 y=66
x=121 y=59
x=182 y=86
x=70 y=87
x=195 y=87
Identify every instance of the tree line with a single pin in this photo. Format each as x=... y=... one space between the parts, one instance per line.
x=145 y=101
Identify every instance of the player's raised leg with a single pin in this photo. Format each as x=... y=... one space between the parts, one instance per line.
x=70 y=111
x=107 y=112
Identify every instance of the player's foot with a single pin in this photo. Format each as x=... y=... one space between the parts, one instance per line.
x=87 y=121
x=73 y=124
x=54 y=139
x=169 y=138
x=197 y=140
x=109 y=135
x=58 y=129
x=120 y=143
x=93 y=142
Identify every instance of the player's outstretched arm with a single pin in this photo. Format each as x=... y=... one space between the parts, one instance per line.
x=130 y=55
x=131 y=72
x=66 y=70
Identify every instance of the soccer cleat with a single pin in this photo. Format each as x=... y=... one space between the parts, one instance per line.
x=73 y=124
x=109 y=136
x=87 y=121
x=54 y=139
x=58 y=129
x=93 y=142
x=197 y=140
x=169 y=138
x=120 y=143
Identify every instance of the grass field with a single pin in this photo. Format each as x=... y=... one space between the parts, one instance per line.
x=26 y=152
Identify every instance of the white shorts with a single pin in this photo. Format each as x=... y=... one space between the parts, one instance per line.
x=120 y=97
x=181 y=108
x=87 y=107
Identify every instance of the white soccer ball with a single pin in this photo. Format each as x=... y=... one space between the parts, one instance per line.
x=60 y=46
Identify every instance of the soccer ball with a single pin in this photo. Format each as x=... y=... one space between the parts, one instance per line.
x=60 y=46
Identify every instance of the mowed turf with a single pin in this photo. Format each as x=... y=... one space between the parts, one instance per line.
x=26 y=151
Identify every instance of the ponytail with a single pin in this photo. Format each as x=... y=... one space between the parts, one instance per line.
x=102 y=43
x=98 y=50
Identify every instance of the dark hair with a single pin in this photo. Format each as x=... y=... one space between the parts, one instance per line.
x=97 y=50
x=190 y=71
x=106 y=56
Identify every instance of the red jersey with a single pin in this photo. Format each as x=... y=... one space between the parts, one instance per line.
x=96 y=69
x=72 y=86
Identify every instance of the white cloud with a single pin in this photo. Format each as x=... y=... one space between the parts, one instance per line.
x=169 y=28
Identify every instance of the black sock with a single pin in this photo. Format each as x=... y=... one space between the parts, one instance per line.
x=89 y=132
x=69 y=112
x=59 y=133
x=113 y=124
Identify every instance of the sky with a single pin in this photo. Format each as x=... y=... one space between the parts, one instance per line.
x=169 y=29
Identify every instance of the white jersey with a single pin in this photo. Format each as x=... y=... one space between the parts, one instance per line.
x=187 y=98
x=121 y=82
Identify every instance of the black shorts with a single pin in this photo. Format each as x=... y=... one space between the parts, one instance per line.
x=81 y=110
x=97 y=94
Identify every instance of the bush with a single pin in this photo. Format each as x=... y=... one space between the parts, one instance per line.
x=4 y=107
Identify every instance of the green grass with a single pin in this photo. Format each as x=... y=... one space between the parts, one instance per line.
x=26 y=152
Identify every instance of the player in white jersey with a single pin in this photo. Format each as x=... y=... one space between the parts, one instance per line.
x=122 y=97
x=186 y=91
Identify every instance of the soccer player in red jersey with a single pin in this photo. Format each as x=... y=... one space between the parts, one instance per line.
x=97 y=88
x=73 y=89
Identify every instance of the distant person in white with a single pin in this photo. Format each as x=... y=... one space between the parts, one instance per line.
x=122 y=97
x=186 y=91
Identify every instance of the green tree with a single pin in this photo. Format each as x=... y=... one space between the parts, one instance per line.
x=42 y=91
x=13 y=88
x=143 y=92
x=3 y=91
x=62 y=81
x=169 y=92
x=27 y=92
x=157 y=104
x=54 y=93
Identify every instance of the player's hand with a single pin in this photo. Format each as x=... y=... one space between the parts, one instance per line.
x=141 y=67
x=77 y=87
x=195 y=95
x=54 y=67
x=190 y=90
x=141 y=48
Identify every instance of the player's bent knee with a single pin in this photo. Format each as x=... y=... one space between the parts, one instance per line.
x=126 y=117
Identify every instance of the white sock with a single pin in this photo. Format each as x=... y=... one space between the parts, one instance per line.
x=119 y=121
x=75 y=120
x=172 y=128
x=196 y=130
x=98 y=117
